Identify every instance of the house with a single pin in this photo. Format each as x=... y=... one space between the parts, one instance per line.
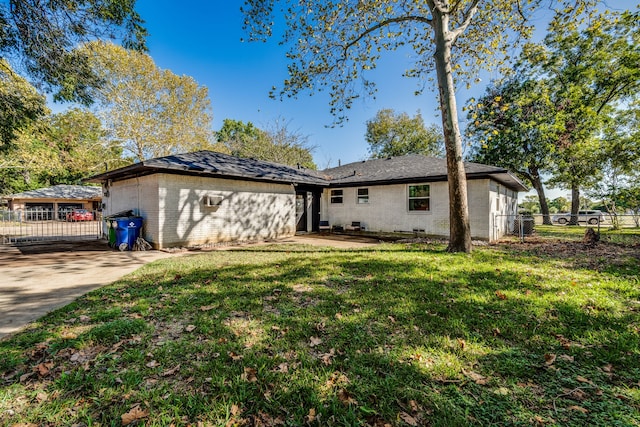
x=54 y=202
x=207 y=197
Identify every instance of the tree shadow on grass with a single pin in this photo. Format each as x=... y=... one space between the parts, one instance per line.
x=370 y=339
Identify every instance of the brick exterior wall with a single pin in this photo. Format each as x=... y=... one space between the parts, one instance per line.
x=176 y=213
x=388 y=209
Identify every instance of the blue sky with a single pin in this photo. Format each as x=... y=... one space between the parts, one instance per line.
x=202 y=39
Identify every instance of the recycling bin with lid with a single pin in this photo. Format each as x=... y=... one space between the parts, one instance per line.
x=127 y=231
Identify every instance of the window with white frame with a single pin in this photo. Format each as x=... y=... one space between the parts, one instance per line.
x=336 y=196
x=363 y=196
x=419 y=198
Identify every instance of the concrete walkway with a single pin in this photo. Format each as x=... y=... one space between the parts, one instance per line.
x=37 y=279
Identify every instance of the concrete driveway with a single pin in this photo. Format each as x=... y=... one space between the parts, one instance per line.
x=36 y=279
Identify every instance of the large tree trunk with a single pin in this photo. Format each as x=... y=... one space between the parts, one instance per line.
x=575 y=204
x=536 y=181
x=459 y=229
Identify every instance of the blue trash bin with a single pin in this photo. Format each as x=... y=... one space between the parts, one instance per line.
x=127 y=231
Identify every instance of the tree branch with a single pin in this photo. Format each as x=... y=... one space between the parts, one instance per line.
x=383 y=24
x=466 y=20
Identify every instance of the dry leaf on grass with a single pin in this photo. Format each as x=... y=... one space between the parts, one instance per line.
x=152 y=364
x=549 y=359
x=171 y=371
x=346 y=398
x=583 y=380
x=475 y=377
x=314 y=341
x=311 y=416
x=408 y=419
x=207 y=307
x=134 y=414
x=578 y=408
x=190 y=328
x=44 y=368
x=250 y=375
x=235 y=356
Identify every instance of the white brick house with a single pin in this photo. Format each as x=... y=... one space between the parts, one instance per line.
x=206 y=197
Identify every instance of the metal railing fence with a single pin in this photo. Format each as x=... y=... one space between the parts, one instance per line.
x=37 y=225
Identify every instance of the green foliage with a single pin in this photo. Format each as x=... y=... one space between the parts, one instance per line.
x=42 y=37
x=63 y=148
x=390 y=134
x=20 y=104
x=277 y=143
x=398 y=334
x=148 y=111
x=334 y=45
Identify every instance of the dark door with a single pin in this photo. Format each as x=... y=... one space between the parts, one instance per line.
x=315 y=212
x=301 y=211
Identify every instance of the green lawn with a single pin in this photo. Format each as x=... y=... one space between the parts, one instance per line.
x=516 y=334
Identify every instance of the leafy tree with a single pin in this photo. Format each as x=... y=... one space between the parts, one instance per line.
x=20 y=104
x=595 y=73
x=277 y=143
x=531 y=204
x=151 y=112
x=560 y=204
x=390 y=134
x=513 y=125
x=63 y=148
x=41 y=37
x=335 y=44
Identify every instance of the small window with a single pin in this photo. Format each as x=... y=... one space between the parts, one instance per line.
x=212 y=202
x=363 y=195
x=419 y=198
x=336 y=196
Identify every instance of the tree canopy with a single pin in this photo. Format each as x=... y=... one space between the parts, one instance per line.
x=40 y=38
x=396 y=134
x=151 y=112
x=334 y=45
x=277 y=143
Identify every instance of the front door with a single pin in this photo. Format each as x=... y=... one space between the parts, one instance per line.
x=301 y=211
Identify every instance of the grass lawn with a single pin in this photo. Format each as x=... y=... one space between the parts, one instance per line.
x=515 y=334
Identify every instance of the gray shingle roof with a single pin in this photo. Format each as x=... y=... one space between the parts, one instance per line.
x=413 y=168
x=77 y=192
x=211 y=163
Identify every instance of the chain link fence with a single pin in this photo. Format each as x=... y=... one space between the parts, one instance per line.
x=623 y=229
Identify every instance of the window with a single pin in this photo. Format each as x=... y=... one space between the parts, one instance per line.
x=363 y=195
x=419 y=198
x=336 y=196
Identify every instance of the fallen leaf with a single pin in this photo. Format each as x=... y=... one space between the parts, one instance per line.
x=414 y=405
x=134 y=414
x=608 y=368
x=392 y=319
x=578 y=408
x=250 y=375
x=315 y=342
x=44 y=368
x=567 y=358
x=475 y=377
x=152 y=364
x=84 y=319
x=408 y=419
x=171 y=371
x=42 y=397
x=583 y=380
x=549 y=359
x=346 y=398
x=462 y=343
x=207 y=307
x=68 y=336
x=311 y=416
x=501 y=295
x=235 y=356
x=190 y=328
x=235 y=409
